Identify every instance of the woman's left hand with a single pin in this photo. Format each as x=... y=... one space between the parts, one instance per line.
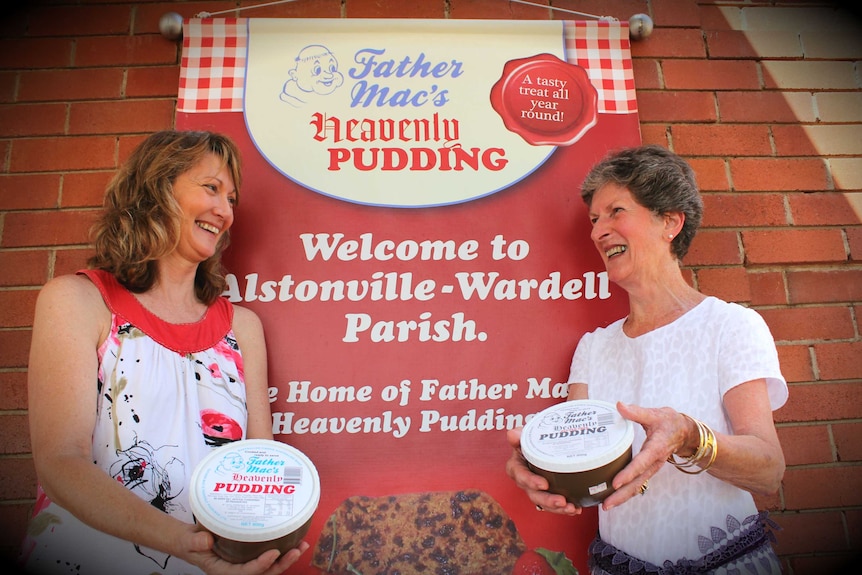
x=198 y=545
x=666 y=430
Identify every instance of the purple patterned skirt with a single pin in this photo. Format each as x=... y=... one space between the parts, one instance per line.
x=741 y=549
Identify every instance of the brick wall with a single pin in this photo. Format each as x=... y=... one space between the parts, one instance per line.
x=764 y=99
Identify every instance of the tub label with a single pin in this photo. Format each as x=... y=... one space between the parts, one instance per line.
x=576 y=431
x=254 y=488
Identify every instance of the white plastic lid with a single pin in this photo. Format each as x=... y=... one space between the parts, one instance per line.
x=575 y=436
x=254 y=490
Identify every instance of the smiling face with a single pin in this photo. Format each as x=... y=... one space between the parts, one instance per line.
x=206 y=195
x=317 y=71
x=632 y=241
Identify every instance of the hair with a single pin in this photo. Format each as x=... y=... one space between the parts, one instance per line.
x=659 y=180
x=141 y=219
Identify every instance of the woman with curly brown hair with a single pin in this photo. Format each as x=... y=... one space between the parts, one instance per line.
x=138 y=369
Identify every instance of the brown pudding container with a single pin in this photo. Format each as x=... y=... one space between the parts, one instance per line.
x=254 y=495
x=578 y=446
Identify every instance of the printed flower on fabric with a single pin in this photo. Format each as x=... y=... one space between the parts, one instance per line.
x=229 y=349
x=218 y=428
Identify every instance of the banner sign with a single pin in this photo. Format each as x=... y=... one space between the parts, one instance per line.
x=411 y=233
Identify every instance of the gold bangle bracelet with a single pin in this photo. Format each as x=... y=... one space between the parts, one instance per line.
x=707 y=442
x=698 y=453
x=714 y=450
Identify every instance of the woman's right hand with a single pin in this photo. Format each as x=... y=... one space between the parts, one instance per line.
x=535 y=485
x=198 y=550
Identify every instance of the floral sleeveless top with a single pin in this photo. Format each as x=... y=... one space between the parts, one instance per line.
x=165 y=396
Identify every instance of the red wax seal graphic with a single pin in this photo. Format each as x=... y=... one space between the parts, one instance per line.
x=545 y=100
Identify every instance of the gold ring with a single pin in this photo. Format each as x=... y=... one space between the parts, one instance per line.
x=643 y=488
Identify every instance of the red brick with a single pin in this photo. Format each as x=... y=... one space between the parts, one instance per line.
x=809 y=532
x=755 y=107
x=842 y=563
x=806 y=444
x=70 y=85
x=738 y=210
x=32 y=120
x=8 y=86
x=481 y=9
x=767 y=288
x=823 y=487
x=721 y=140
x=80 y=20
x=153 y=82
x=14 y=22
x=795 y=362
x=13 y=390
x=854 y=527
x=85 y=189
x=23 y=268
x=307 y=9
x=654 y=134
x=127 y=145
x=826 y=286
x=15 y=433
x=70 y=261
x=671 y=43
x=619 y=9
x=809 y=323
x=697 y=74
x=675 y=13
x=839 y=360
x=17 y=308
x=646 y=74
x=47 y=228
x=13 y=518
x=30 y=53
x=822 y=208
x=16 y=348
x=125 y=50
x=121 y=117
x=789 y=246
x=793 y=141
x=729 y=284
x=711 y=174
x=19 y=478
x=848 y=441
x=854 y=239
x=394 y=9
x=714 y=248
x=729 y=44
x=52 y=154
x=28 y=192
x=147 y=15
x=822 y=402
x=656 y=106
x=773 y=174
x=712 y=18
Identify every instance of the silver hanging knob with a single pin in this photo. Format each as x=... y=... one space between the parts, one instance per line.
x=640 y=26
x=171 y=25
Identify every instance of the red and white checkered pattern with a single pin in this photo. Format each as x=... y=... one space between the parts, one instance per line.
x=212 y=76
x=602 y=47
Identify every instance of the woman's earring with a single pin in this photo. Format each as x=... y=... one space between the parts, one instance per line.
x=670 y=236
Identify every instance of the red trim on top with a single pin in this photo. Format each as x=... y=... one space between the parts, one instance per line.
x=182 y=338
